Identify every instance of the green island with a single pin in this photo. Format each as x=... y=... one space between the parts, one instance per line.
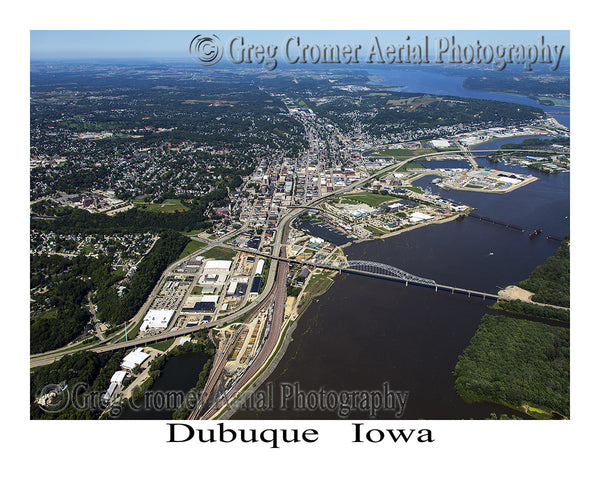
x=550 y=281
x=524 y=363
x=517 y=363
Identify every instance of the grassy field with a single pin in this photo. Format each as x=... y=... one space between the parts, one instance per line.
x=168 y=206
x=406 y=166
x=375 y=230
x=193 y=232
x=220 y=253
x=197 y=290
x=371 y=199
x=191 y=248
x=403 y=153
x=318 y=284
x=162 y=346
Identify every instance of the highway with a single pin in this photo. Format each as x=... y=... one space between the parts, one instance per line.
x=116 y=341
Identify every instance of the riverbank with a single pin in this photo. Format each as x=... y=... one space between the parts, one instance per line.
x=518 y=362
x=241 y=398
x=292 y=313
x=408 y=229
x=506 y=190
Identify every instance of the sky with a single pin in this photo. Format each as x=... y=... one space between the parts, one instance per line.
x=119 y=44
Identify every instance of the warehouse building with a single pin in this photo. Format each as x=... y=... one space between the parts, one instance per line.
x=134 y=359
x=158 y=319
x=256 y=283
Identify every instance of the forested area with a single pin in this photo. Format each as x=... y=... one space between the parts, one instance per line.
x=201 y=344
x=59 y=311
x=533 y=310
x=517 y=362
x=551 y=281
x=75 y=220
x=449 y=112
x=86 y=376
x=537 y=143
x=383 y=113
x=514 y=362
x=117 y=309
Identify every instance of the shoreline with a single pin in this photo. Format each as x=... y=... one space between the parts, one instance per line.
x=512 y=188
x=403 y=230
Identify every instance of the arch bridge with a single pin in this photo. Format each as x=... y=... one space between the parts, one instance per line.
x=384 y=270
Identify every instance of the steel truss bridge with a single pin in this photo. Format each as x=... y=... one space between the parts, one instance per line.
x=384 y=270
x=379 y=270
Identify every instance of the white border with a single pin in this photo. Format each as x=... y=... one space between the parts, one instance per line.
x=469 y=449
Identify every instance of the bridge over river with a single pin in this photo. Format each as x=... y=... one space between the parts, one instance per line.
x=379 y=270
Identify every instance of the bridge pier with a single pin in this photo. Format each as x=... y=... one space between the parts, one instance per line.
x=469 y=293
x=436 y=288
x=453 y=291
x=407 y=283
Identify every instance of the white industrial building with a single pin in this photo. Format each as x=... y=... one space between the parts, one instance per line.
x=215 y=272
x=133 y=359
x=217 y=265
x=118 y=377
x=513 y=181
x=259 y=266
x=232 y=287
x=440 y=143
x=115 y=381
x=419 y=217
x=157 y=319
x=210 y=298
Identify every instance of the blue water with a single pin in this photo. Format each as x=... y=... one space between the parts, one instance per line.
x=439 y=84
x=333 y=236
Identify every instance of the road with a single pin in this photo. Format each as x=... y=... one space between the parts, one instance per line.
x=117 y=341
x=279 y=296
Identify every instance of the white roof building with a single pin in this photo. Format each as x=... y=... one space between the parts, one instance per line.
x=157 y=319
x=441 y=142
x=232 y=287
x=118 y=377
x=259 y=266
x=419 y=217
x=217 y=265
x=133 y=359
x=109 y=392
x=210 y=298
